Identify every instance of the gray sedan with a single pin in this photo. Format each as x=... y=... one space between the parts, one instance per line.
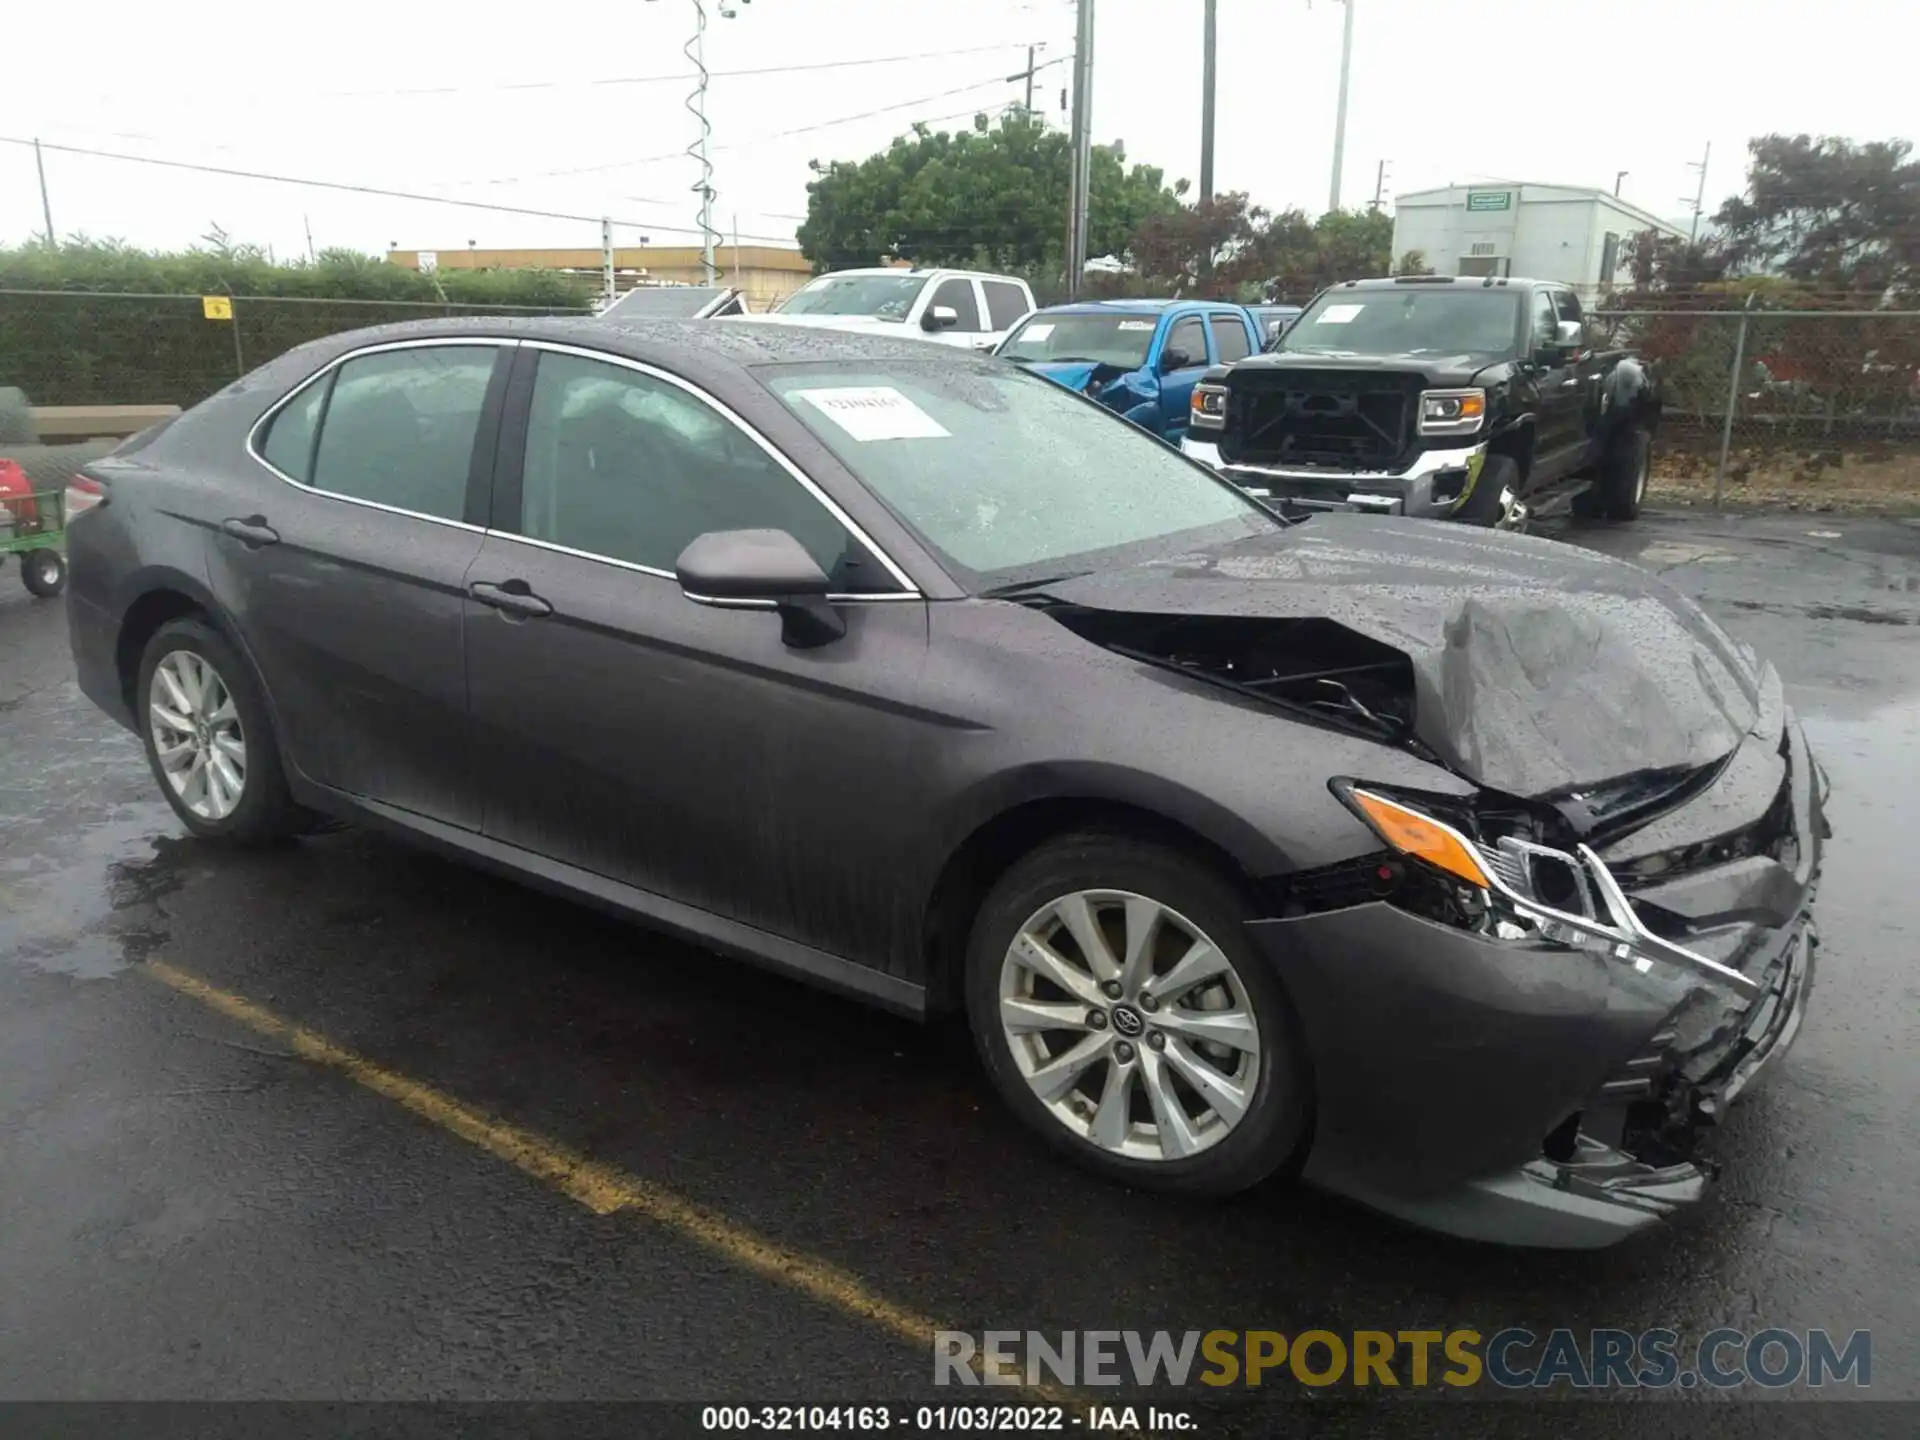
x=1468 y=872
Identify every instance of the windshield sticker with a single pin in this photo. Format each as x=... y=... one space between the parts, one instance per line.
x=1338 y=314
x=1036 y=332
x=1136 y=324
x=875 y=412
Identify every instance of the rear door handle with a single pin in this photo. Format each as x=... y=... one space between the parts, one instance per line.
x=512 y=598
x=253 y=532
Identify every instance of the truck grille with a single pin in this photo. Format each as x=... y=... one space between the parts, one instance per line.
x=1336 y=419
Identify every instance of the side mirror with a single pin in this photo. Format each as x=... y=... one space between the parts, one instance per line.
x=1569 y=335
x=1174 y=358
x=940 y=317
x=762 y=570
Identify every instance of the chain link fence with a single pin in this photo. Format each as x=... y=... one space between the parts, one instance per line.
x=66 y=347
x=1781 y=397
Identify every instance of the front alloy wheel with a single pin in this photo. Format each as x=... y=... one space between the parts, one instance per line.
x=197 y=736
x=1124 y=1011
x=1129 y=1025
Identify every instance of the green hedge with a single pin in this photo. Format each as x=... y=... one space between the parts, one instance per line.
x=93 y=324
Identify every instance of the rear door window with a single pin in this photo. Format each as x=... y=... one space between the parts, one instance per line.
x=288 y=444
x=1006 y=303
x=1229 y=339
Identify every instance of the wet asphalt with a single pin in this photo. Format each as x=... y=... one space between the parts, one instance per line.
x=193 y=1211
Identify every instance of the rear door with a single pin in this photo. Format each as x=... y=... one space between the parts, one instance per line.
x=347 y=573
x=682 y=748
x=1007 y=305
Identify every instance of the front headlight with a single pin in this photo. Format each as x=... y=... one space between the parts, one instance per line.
x=1515 y=889
x=1208 y=408
x=1452 y=412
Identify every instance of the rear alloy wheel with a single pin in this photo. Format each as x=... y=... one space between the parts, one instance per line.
x=208 y=737
x=1131 y=1023
x=43 y=572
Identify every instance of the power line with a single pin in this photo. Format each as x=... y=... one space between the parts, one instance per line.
x=368 y=189
x=665 y=79
x=739 y=144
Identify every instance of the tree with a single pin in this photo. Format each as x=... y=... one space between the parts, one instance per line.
x=995 y=195
x=1837 y=216
x=1233 y=247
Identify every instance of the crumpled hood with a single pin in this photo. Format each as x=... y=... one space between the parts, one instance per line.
x=1077 y=375
x=1539 y=667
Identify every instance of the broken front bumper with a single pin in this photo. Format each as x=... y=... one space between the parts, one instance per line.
x=1432 y=487
x=1531 y=1092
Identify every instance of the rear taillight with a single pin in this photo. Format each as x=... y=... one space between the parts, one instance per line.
x=83 y=494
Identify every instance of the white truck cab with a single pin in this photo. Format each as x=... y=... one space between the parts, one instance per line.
x=949 y=307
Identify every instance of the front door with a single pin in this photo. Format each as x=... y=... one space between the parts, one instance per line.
x=346 y=567
x=1556 y=376
x=681 y=748
x=1182 y=360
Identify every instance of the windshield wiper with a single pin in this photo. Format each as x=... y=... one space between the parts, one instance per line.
x=1022 y=587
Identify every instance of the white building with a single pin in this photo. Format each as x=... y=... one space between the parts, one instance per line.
x=1544 y=232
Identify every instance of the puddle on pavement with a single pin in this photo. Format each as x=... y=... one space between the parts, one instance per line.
x=89 y=906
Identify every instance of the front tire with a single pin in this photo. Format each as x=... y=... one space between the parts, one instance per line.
x=1123 y=1014
x=209 y=738
x=44 y=573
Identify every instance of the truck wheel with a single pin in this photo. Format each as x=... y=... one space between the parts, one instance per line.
x=43 y=572
x=1620 y=485
x=1483 y=506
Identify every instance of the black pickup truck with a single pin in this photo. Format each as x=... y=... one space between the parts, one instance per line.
x=1468 y=399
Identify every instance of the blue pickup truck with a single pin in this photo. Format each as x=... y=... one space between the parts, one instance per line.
x=1138 y=357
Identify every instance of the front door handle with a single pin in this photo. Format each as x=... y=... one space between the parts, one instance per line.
x=253 y=532
x=512 y=598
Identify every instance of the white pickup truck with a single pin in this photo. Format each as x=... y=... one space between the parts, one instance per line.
x=949 y=307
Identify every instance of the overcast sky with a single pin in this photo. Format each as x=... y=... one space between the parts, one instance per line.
x=1543 y=90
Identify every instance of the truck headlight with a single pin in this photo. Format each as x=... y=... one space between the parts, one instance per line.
x=1452 y=412
x=1209 y=407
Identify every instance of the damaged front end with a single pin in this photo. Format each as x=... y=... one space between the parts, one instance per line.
x=1553 y=1009
x=1523 y=1006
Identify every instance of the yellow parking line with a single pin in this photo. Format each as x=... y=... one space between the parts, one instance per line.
x=602 y=1188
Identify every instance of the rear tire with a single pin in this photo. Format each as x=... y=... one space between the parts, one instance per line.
x=1483 y=507
x=1620 y=484
x=1244 y=1095
x=205 y=722
x=44 y=573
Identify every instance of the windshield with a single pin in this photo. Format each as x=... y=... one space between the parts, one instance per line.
x=1104 y=339
x=1413 y=321
x=1007 y=476
x=885 y=297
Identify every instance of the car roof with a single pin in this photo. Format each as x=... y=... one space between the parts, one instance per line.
x=1442 y=282
x=714 y=353
x=922 y=270
x=666 y=302
x=1133 y=307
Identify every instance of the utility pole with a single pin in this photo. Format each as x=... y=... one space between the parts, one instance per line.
x=1340 y=116
x=1379 y=185
x=46 y=209
x=1700 y=195
x=1207 y=75
x=606 y=258
x=1618 y=176
x=1082 y=142
x=307 y=224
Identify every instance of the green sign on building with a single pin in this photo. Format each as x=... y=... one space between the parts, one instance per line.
x=1489 y=200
